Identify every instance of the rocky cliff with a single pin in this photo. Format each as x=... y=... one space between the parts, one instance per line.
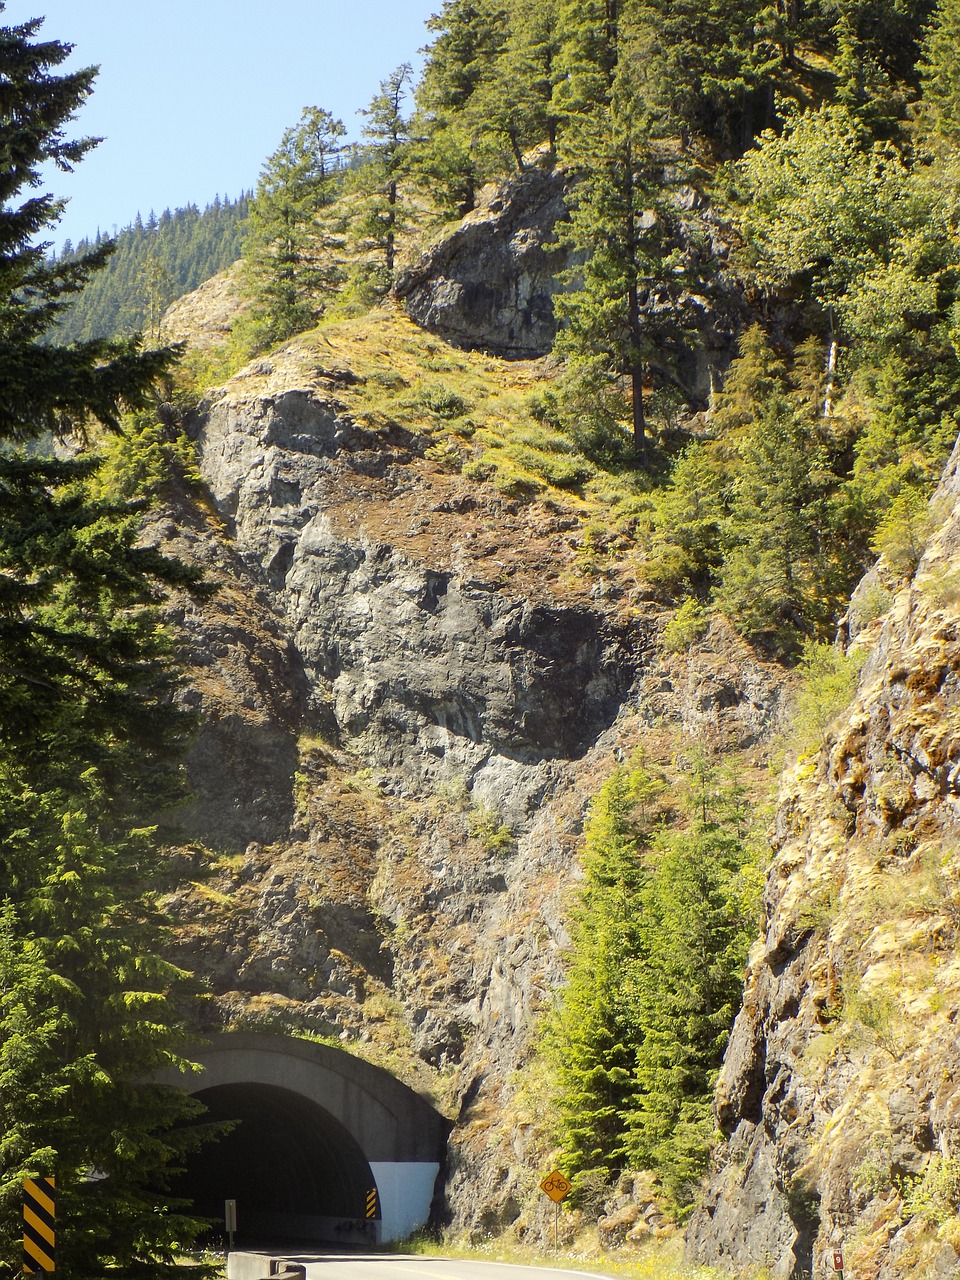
x=838 y=1098
x=409 y=683
x=490 y=283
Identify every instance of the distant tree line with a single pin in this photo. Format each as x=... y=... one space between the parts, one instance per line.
x=155 y=261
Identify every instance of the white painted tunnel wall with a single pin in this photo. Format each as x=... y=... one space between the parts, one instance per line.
x=406 y=1191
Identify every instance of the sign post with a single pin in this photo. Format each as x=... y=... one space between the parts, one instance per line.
x=230 y=1221
x=556 y=1186
x=838 y=1263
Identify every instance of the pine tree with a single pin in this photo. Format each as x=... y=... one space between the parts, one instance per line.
x=620 y=316
x=288 y=266
x=512 y=106
x=707 y=71
x=623 y=320
x=940 y=67
x=88 y=736
x=88 y=1014
x=471 y=36
x=781 y=579
x=591 y=1039
x=381 y=214
x=41 y=388
x=685 y=981
x=686 y=547
x=889 y=33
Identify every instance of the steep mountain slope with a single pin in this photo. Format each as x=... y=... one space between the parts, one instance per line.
x=410 y=683
x=838 y=1096
x=421 y=664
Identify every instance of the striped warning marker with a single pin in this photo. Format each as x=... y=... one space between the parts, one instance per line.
x=39 y=1239
x=372 y=1203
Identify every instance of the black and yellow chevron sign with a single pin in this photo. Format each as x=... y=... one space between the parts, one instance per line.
x=39 y=1236
x=372 y=1202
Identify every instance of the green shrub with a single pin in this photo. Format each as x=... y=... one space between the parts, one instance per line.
x=829 y=681
x=935 y=1195
x=686 y=626
x=444 y=402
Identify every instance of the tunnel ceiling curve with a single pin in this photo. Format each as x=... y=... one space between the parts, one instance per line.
x=285 y=1161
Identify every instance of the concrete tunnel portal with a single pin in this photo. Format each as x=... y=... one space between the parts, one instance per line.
x=325 y=1148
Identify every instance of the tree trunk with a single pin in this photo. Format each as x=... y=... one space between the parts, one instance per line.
x=831 y=378
x=517 y=152
x=639 y=416
x=391 y=225
x=633 y=319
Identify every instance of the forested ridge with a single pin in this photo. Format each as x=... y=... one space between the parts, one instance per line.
x=154 y=261
x=792 y=165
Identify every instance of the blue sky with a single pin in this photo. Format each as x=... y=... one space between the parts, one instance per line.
x=193 y=95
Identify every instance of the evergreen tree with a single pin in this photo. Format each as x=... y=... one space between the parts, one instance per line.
x=686 y=546
x=695 y=925
x=376 y=183
x=158 y=292
x=756 y=378
x=940 y=68
x=660 y=932
x=471 y=36
x=705 y=68
x=622 y=317
x=288 y=265
x=591 y=1039
x=88 y=736
x=513 y=105
x=781 y=579
x=889 y=32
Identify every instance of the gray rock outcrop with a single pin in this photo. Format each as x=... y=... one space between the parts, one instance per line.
x=490 y=283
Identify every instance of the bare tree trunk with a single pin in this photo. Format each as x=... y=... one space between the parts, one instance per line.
x=831 y=378
x=639 y=415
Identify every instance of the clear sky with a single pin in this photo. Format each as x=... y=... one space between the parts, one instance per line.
x=193 y=95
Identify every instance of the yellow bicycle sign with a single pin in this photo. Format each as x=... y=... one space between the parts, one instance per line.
x=555 y=1185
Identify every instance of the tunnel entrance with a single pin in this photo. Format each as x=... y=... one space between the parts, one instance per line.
x=294 y=1170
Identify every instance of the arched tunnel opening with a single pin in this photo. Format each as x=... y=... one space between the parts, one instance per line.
x=297 y=1175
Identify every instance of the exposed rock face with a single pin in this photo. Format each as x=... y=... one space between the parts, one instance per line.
x=432 y=671
x=409 y=690
x=490 y=284
x=204 y=316
x=838 y=1094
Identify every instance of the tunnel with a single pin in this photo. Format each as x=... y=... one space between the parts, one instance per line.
x=294 y=1171
x=324 y=1146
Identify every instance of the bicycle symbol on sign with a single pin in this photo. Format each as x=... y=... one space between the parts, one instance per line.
x=555 y=1185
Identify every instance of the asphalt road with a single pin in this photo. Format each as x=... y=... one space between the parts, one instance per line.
x=392 y=1266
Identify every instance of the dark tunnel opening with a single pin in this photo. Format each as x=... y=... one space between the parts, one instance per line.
x=296 y=1173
